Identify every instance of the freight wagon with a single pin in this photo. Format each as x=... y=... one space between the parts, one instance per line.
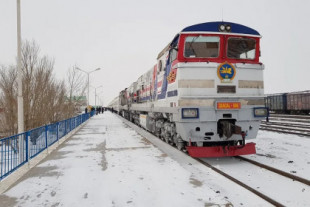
x=289 y=103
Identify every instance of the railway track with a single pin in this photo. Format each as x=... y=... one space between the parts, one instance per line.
x=267 y=182
x=288 y=124
x=288 y=180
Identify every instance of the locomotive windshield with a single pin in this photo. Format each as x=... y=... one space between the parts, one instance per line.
x=241 y=48
x=201 y=46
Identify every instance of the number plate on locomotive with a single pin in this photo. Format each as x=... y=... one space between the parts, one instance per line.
x=228 y=105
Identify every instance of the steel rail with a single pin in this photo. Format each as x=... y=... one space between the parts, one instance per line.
x=281 y=130
x=287 y=120
x=282 y=123
x=261 y=195
x=290 y=116
x=300 y=126
x=285 y=128
x=277 y=171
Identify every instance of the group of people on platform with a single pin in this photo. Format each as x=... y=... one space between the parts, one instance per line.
x=98 y=109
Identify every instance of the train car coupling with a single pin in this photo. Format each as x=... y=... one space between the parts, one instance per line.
x=228 y=128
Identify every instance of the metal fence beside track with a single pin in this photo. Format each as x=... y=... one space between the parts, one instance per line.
x=13 y=155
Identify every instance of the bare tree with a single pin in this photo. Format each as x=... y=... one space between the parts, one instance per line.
x=76 y=87
x=76 y=84
x=44 y=96
x=38 y=82
x=8 y=100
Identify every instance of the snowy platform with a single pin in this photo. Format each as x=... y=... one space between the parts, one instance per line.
x=107 y=163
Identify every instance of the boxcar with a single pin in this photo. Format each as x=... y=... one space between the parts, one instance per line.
x=289 y=103
x=276 y=103
x=298 y=102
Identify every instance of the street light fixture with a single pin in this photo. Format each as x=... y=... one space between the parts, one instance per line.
x=87 y=72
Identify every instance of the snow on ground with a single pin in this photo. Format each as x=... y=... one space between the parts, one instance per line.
x=279 y=188
x=106 y=163
x=290 y=153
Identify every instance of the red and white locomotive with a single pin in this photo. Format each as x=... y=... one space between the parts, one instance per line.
x=206 y=92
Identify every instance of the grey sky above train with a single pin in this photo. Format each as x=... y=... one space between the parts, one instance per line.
x=125 y=37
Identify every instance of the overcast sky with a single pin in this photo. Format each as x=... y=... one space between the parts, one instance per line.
x=124 y=37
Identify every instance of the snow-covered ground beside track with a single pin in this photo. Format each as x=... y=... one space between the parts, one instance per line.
x=290 y=153
x=106 y=163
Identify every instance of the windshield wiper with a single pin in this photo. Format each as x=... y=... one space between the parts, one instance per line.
x=191 y=45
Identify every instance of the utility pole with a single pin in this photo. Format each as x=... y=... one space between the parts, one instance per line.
x=20 y=102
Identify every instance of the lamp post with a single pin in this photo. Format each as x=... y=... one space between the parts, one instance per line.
x=20 y=101
x=96 y=93
x=87 y=72
x=20 y=107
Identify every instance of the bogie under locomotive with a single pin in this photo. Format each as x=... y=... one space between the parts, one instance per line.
x=206 y=92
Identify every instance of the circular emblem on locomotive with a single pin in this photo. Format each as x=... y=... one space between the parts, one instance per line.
x=226 y=72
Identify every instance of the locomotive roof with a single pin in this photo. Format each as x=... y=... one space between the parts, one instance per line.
x=211 y=27
x=214 y=27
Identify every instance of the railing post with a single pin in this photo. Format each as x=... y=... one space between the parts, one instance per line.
x=20 y=148
x=1 y=153
x=71 y=124
x=27 y=148
x=65 y=127
x=46 y=144
x=57 y=132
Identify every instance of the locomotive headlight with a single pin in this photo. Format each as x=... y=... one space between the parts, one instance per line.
x=190 y=113
x=228 y=28
x=260 y=112
x=222 y=28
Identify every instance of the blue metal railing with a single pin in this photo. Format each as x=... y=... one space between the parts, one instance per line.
x=13 y=155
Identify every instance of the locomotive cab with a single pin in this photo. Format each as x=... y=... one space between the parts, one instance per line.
x=219 y=74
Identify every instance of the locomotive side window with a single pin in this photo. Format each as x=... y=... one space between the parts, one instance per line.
x=202 y=47
x=159 y=66
x=173 y=55
x=241 y=48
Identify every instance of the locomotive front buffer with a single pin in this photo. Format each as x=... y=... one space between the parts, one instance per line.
x=227 y=129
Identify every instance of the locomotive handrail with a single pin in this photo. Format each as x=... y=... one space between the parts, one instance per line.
x=14 y=154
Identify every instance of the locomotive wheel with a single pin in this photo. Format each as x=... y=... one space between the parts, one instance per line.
x=162 y=135
x=180 y=146
x=166 y=140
